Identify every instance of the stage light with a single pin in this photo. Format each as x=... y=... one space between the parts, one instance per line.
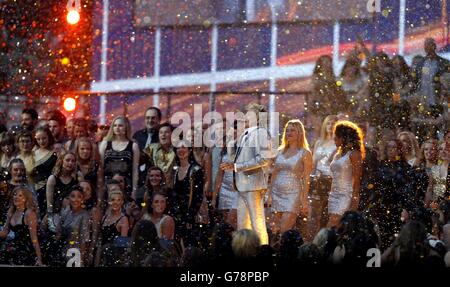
x=70 y=104
x=73 y=17
x=65 y=61
x=73 y=11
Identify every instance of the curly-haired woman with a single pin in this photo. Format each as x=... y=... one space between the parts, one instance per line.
x=346 y=170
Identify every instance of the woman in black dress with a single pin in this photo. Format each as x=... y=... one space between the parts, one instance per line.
x=187 y=195
x=119 y=154
x=45 y=159
x=59 y=185
x=87 y=161
x=153 y=183
x=17 y=177
x=23 y=221
x=114 y=224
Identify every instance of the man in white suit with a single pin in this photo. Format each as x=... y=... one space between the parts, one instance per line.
x=250 y=169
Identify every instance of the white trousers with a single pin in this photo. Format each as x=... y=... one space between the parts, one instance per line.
x=250 y=213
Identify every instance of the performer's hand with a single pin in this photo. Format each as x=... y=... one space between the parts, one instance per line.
x=226 y=166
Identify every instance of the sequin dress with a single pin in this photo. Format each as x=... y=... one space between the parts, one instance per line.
x=342 y=185
x=227 y=195
x=287 y=184
x=324 y=153
x=438 y=182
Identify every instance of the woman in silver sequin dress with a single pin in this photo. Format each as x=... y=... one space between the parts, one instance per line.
x=224 y=190
x=290 y=178
x=346 y=170
x=323 y=152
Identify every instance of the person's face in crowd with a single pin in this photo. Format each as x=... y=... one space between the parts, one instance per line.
x=292 y=135
x=151 y=119
x=17 y=172
x=404 y=217
x=42 y=139
x=7 y=149
x=76 y=199
x=183 y=152
x=87 y=189
x=396 y=63
x=119 y=128
x=121 y=180
x=55 y=128
x=165 y=135
x=79 y=132
x=25 y=144
x=116 y=202
x=406 y=144
x=430 y=152
x=392 y=151
x=28 y=122
x=338 y=141
x=444 y=151
x=329 y=127
x=159 y=204
x=155 y=177
x=19 y=199
x=69 y=163
x=429 y=47
x=84 y=150
x=69 y=128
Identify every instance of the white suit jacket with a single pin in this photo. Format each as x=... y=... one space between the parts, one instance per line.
x=252 y=159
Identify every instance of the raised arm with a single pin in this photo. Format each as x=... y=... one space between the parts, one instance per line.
x=50 y=189
x=356 y=160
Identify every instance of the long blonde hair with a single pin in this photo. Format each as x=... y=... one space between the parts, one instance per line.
x=415 y=148
x=57 y=170
x=323 y=129
x=30 y=203
x=93 y=156
x=110 y=135
x=302 y=141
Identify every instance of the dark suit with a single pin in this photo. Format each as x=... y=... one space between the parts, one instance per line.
x=141 y=138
